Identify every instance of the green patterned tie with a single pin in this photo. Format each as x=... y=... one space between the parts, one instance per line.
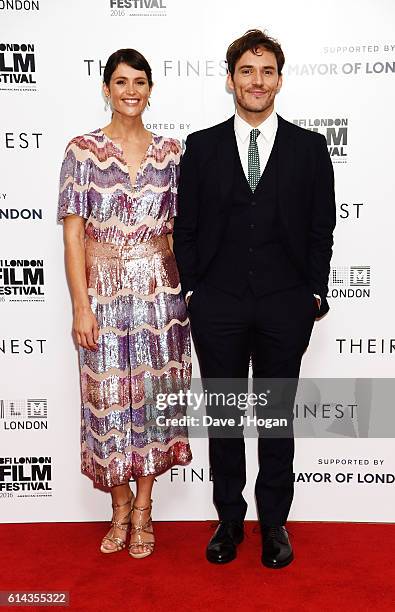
x=254 y=173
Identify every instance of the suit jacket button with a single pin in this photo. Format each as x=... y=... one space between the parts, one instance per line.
x=252 y=226
x=253 y=203
x=250 y=272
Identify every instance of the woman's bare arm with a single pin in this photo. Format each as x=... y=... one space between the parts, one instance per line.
x=170 y=225
x=85 y=326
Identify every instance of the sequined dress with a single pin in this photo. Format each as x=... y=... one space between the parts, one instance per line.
x=135 y=294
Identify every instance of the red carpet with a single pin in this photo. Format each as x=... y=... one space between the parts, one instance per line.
x=346 y=567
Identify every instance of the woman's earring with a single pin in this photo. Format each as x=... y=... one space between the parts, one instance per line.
x=107 y=104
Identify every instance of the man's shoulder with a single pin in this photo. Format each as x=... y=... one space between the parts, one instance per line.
x=300 y=133
x=211 y=133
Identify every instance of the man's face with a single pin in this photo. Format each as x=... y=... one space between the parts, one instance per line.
x=256 y=81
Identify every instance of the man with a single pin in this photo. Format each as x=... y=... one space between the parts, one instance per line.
x=253 y=242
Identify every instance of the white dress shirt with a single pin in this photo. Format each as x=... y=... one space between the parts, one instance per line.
x=265 y=140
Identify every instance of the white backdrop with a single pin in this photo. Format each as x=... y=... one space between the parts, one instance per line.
x=340 y=65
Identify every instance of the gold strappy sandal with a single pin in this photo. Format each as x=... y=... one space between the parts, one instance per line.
x=122 y=524
x=146 y=545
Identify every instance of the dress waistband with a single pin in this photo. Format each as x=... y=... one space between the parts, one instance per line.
x=127 y=251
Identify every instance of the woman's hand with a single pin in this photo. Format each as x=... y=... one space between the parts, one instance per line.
x=86 y=329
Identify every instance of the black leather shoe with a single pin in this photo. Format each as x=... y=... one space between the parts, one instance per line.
x=223 y=544
x=277 y=549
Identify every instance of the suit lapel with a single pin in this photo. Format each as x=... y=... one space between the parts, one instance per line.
x=286 y=158
x=226 y=155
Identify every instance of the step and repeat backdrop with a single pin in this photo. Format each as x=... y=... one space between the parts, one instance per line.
x=338 y=80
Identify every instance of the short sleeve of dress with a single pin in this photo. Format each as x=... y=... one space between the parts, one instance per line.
x=74 y=181
x=174 y=177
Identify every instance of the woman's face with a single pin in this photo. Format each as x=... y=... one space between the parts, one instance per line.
x=128 y=91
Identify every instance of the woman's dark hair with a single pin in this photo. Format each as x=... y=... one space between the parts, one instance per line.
x=253 y=40
x=132 y=58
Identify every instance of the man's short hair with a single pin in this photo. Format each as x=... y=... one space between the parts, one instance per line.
x=253 y=40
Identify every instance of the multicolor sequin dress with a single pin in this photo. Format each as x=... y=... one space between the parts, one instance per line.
x=135 y=294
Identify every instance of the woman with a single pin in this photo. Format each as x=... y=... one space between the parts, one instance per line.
x=118 y=195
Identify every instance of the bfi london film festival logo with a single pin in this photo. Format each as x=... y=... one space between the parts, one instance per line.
x=17 y=67
x=335 y=131
x=26 y=476
x=25 y=414
x=349 y=282
x=22 y=280
x=138 y=8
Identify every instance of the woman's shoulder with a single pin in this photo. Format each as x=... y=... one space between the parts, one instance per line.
x=168 y=146
x=86 y=143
